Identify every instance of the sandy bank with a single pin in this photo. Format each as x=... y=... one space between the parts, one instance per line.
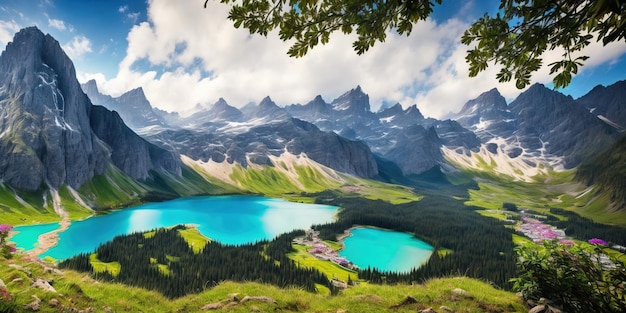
x=49 y=239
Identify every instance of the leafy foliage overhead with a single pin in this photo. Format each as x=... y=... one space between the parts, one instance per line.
x=310 y=22
x=515 y=38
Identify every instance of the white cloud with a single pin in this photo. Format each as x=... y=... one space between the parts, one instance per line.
x=7 y=30
x=58 y=24
x=123 y=9
x=427 y=68
x=133 y=16
x=76 y=48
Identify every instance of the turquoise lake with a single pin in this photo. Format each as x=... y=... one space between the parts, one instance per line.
x=227 y=219
x=385 y=250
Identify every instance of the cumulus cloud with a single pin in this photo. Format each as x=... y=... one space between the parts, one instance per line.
x=76 y=48
x=58 y=24
x=7 y=30
x=196 y=56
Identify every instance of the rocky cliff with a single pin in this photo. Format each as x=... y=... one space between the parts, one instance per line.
x=47 y=133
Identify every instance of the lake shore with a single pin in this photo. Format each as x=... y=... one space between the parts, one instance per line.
x=49 y=239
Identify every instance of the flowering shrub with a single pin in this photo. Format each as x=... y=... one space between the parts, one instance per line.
x=572 y=277
x=597 y=241
x=5 y=250
x=6 y=303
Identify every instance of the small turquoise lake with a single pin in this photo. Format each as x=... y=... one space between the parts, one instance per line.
x=227 y=219
x=385 y=250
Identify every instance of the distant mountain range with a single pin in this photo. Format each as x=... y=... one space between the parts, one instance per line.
x=541 y=126
x=55 y=132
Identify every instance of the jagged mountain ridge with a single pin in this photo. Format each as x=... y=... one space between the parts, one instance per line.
x=132 y=106
x=51 y=134
x=608 y=104
x=404 y=137
x=486 y=122
x=539 y=125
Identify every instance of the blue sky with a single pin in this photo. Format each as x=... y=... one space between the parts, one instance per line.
x=182 y=55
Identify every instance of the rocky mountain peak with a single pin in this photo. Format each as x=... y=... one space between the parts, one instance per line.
x=607 y=103
x=48 y=137
x=221 y=103
x=266 y=109
x=318 y=104
x=90 y=87
x=491 y=100
x=391 y=111
x=221 y=110
x=353 y=101
x=539 y=95
x=414 y=112
x=133 y=106
x=267 y=103
x=136 y=93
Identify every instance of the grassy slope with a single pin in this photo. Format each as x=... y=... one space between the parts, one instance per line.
x=330 y=269
x=557 y=189
x=76 y=290
x=15 y=212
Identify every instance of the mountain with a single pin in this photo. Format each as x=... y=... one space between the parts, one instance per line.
x=258 y=144
x=606 y=171
x=487 y=115
x=608 y=104
x=265 y=111
x=51 y=134
x=540 y=125
x=550 y=122
x=132 y=106
x=402 y=136
x=220 y=113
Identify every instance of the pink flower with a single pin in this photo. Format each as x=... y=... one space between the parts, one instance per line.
x=5 y=228
x=597 y=241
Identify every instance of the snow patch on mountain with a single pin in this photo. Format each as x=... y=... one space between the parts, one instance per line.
x=523 y=167
x=218 y=170
x=285 y=163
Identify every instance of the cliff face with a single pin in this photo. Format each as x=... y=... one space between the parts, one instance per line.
x=46 y=131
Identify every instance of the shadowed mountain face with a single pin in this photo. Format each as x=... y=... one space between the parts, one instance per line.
x=540 y=123
x=47 y=133
x=608 y=104
x=402 y=136
x=257 y=143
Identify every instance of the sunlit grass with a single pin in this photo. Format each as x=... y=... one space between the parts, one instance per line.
x=80 y=292
x=113 y=268
x=194 y=239
x=304 y=259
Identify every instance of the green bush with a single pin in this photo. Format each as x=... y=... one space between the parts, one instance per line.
x=573 y=277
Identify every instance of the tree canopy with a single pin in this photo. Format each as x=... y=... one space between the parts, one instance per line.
x=515 y=38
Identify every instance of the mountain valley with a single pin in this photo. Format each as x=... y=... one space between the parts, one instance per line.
x=68 y=152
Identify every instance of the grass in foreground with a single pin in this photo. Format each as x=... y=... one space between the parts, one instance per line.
x=79 y=291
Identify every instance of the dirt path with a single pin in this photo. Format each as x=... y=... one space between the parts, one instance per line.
x=51 y=239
